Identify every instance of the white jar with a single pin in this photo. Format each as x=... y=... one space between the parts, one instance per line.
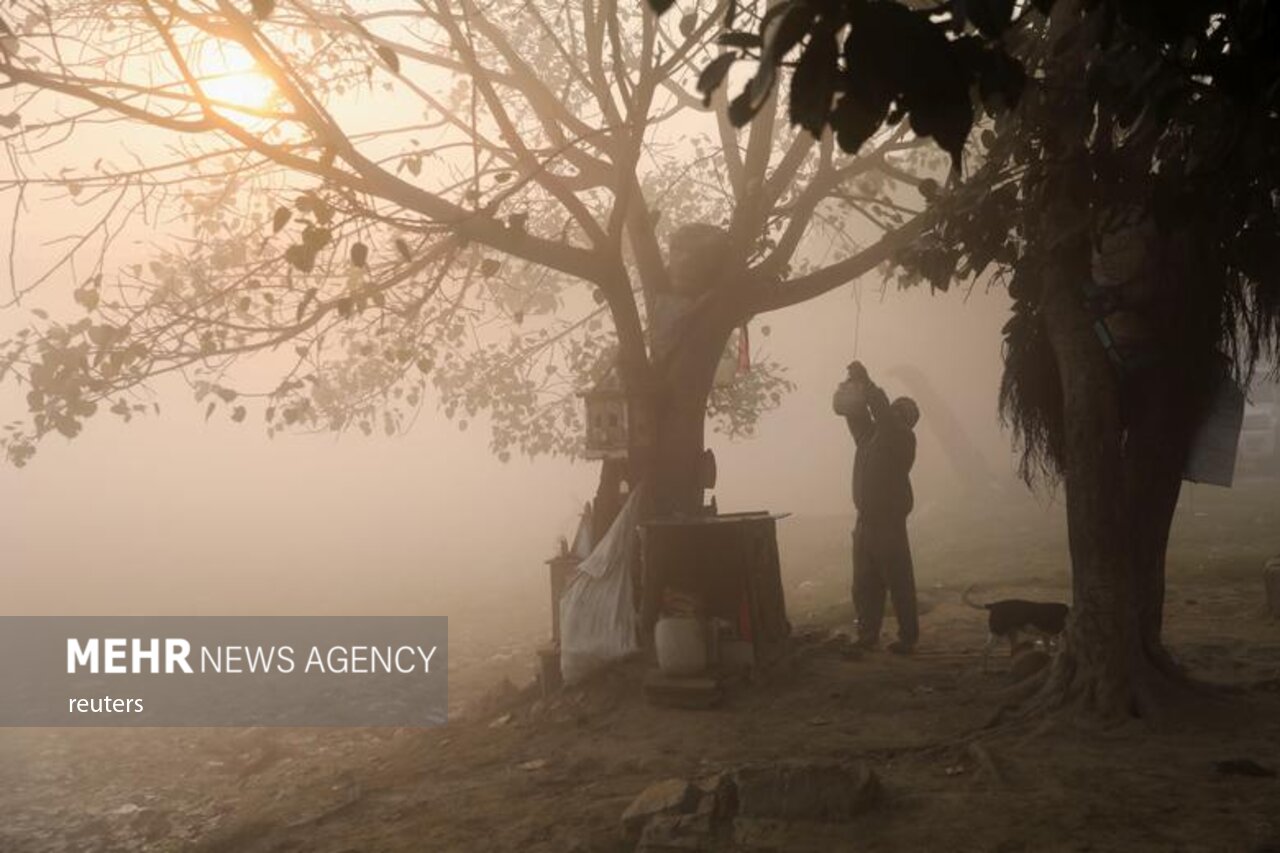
x=681 y=644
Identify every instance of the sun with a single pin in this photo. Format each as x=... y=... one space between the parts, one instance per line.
x=229 y=76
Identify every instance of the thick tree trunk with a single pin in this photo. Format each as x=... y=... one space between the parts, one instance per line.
x=1125 y=448
x=686 y=375
x=670 y=468
x=1125 y=436
x=609 y=497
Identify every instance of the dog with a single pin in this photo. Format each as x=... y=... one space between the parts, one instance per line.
x=1007 y=618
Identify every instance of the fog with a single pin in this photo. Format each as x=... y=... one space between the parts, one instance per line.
x=171 y=514
x=336 y=264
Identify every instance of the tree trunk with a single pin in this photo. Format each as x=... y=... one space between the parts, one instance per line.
x=1125 y=434
x=673 y=470
x=1125 y=448
x=609 y=497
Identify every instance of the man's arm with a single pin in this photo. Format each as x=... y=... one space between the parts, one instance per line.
x=860 y=424
x=878 y=403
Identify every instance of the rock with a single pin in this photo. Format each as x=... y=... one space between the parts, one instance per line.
x=756 y=807
x=717 y=796
x=806 y=790
x=669 y=797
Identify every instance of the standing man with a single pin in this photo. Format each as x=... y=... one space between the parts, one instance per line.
x=886 y=449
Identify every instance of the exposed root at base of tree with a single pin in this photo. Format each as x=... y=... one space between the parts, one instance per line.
x=1158 y=694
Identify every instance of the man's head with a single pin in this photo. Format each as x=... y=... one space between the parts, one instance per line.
x=906 y=410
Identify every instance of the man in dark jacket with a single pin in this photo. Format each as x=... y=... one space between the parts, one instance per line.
x=886 y=449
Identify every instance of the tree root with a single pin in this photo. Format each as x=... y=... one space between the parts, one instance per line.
x=1158 y=694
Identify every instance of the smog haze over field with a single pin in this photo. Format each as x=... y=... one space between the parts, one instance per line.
x=317 y=314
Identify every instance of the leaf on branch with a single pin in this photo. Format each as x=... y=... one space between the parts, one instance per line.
x=989 y=17
x=316 y=238
x=262 y=9
x=359 y=255
x=10 y=120
x=660 y=6
x=101 y=336
x=208 y=412
x=688 y=24
x=306 y=300
x=403 y=248
x=280 y=219
x=745 y=41
x=489 y=267
x=88 y=297
x=813 y=86
x=238 y=414
x=388 y=56
x=740 y=109
x=794 y=24
x=300 y=258
x=713 y=75
x=316 y=206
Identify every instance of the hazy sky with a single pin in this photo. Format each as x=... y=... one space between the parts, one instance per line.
x=174 y=514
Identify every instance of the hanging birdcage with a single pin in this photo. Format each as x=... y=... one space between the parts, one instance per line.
x=614 y=426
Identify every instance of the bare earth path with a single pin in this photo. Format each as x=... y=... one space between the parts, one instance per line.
x=522 y=773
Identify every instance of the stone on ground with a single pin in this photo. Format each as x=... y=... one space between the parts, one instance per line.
x=668 y=797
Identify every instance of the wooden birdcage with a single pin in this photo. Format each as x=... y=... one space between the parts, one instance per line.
x=613 y=426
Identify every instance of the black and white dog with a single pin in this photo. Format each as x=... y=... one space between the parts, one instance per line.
x=1011 y=616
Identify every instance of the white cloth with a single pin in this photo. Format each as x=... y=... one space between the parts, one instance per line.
x=597 y=611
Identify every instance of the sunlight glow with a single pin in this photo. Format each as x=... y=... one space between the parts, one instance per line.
x=228 y=74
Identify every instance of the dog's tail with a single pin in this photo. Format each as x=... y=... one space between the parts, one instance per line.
x=964 y=596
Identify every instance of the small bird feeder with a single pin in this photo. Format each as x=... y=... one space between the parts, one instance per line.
x=613 y=427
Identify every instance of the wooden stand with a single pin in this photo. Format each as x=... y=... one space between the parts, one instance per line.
x=562 y=569
x=727 y=563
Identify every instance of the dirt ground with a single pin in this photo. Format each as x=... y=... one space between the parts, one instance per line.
x=517 y=771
